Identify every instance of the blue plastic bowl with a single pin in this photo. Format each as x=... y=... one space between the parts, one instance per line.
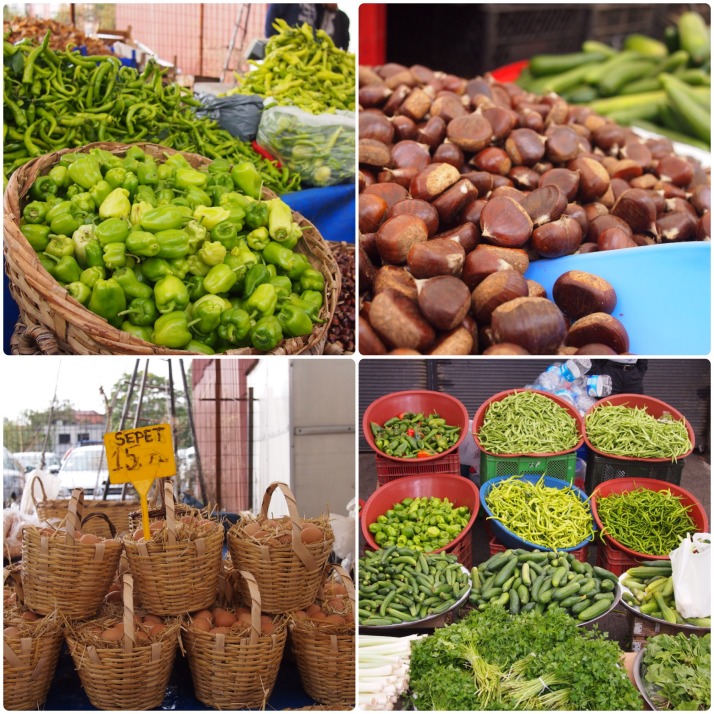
x=508 y=537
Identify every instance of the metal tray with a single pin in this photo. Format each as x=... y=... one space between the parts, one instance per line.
x=615 y=603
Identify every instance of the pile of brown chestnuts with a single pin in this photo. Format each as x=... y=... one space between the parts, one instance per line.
x=464 y=182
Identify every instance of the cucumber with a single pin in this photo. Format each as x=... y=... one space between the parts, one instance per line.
x=545 y=596
x=607 y=585
x=647 y=46
x=613 y=81
x=597 y=608
x=558 y=576
x=506 y=572
x=601 y=47
x=587 y=587
x=694 y=36
x=523 y=594
x=552 y=64
x=568 y=590
x=514 y=605
x=602 y=573
x=572 y=600
x=582 y=605
x=598 y=71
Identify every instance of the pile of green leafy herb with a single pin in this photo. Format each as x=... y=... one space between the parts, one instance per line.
x=678 y=670
x=494 y=661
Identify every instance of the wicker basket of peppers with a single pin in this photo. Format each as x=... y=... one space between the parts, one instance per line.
x=139 y=249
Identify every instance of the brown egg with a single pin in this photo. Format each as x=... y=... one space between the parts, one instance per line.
x=245 y=617
x=138 y=620
x=30 y=616
x=205 y=614
x=120 y=627
x=223 y=618
x=335 y=620
x=299 y=614
x=89 y=538
x=285 y=538
x=269 y=524
x=267 y=628
x=138 y=534
x=312 y=609
x=78 y=535
x=152 y=619
x=112 y=634
x=11 y=632
x=202 y=624
x=265 y=618
x=242 y=609
x=220 y=630
x=141 y=636
x=187 y=519
x=337 y=603
x=155 y=629
x=156 y=526
x=320 y=615
x=259 y=535
x=113 y=596
x=251 y=528
x=311 y=534
x=333 y=588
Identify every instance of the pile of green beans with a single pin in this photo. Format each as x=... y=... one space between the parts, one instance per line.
x=57 y=100
x=542 y=515
x=631 y=431
x=400 y=585
x=648 y=522
x=414 y=436
x=303 y=68
x=527 y=423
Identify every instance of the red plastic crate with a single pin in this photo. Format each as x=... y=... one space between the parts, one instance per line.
x=389 y=470
x=463 y=551
x=613 y=559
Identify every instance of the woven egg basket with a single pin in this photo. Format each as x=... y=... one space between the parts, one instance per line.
x=30 y=660
x=176 y=576
x=124 y=675
x=60 y=573
x=325 y=653
x=288 y=575
x=234 y=671
x=57 y=324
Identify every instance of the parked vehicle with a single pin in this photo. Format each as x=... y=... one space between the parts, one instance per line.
x=86 y=467
x=31 y=460
x=13 y=476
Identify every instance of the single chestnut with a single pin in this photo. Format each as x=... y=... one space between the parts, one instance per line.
x=448 y=153
x=505 y=223
x=599 y=328
x=467 y=235
x=557 y=238
x=470 y=133
x=368 y=340
x=494 y=290
x=373 y=153
x=637 y=208
x=415 y=207
x=525 y=146
x=397 y=278
x=444 y=301
x=372 y=211
x=578 y=293
x=449 y=204
x=433 y=180
x=458 y=341
x=399 y=322
x=391 y=192
x=397 y=235
x=536 y=324
x=410 y=154
x=436 y=257
x=545 y=204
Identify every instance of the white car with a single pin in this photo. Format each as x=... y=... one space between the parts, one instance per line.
x=86 y=467
x=31 y=460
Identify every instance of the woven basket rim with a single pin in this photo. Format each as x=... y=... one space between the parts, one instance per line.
x=66 y=315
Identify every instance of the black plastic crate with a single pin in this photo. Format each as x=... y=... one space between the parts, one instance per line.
x=602 y=468
x=612 y=23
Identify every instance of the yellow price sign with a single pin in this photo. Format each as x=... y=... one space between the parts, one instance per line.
x=140 y=454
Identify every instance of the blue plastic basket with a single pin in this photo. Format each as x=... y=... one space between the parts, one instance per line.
x=507 y=537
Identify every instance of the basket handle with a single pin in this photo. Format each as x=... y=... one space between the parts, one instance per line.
x=129 y=638
x=33 y=340
x=170 y=510
x=256 y=605
x=299 y=547
x=104 y=517
x=346 y=581
x=37 y=479
x=74 y=515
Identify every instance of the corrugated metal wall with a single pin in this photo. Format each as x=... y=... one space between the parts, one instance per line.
x=685 y=384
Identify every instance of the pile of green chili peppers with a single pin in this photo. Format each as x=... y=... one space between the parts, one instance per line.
x=648 y=522
x=631 y=431
x=543 y=515
x=302 y=68
x=56 y=100
x=412 y=436
x=527 y=423
x=183 y=258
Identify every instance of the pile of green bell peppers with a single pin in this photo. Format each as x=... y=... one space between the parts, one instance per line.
x=181 y=257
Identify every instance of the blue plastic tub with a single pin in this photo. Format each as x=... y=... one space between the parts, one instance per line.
x=507 y=537
x=663 y=293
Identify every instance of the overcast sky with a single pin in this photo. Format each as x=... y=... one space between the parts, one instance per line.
x=30 y=383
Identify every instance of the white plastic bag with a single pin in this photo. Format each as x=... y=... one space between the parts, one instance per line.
x=692 y=576
x=51 y=484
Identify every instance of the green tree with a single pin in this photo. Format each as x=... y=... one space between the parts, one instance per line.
x=28 y=431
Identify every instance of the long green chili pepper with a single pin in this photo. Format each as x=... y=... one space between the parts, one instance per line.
x=649 y=522
x=543 y=515
x=527 y=423
x=632 y=431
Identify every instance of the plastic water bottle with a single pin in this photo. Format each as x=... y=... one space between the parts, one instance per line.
x=584 y=402
x=599 y=385
x=565 y=395
x=549 y=380
x=573 y=369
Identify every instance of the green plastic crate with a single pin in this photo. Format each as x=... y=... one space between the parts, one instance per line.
x=561 y=466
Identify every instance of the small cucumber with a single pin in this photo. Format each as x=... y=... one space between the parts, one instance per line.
x=598 y=608
x=570 y=589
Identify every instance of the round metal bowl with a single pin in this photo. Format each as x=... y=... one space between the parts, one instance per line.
x=425 y=620
x=639 y=676
x=614 y=604
x=636 y=611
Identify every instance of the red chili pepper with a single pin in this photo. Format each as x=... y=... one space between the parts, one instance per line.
x=401 y=416
x=422 y=454
x=410 y=432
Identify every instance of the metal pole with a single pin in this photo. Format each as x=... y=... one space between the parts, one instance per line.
x=192 y=424
x=172 y=402
x=219 y=465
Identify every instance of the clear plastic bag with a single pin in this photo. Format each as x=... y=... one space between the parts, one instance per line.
x=319 y=147
x=692 y=575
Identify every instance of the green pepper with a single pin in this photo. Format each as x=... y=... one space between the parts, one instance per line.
x=207 y=311
x=200 y=347
x=195 y=197
x=219 y=166
x=256 y=275
x=164 y=196
x=136 y=153
x=236 y=200
x=90 y=275
x=226 y=234
x=116 y=204
x=197 y=267
x=66 y=269
x=142 y=243
x=60 y=176
x=246 y=179
x=94 y=253
x=81 y=292
x=235 y=325
x=73 y=190
x=112 y=230
x=216 y=191
x=258 y=239
x=153 y=269
x=114 y=255
x=82 y=203
x=130 y=283
x=165 y=172
x=115 y=177
x=37 y=235
x=312 y=279
x=130 y=183
x=142 y=312
x=59 y=246
x=106 y=159
x=219 y=279
x=145 y=194
x=212 y=253
x=172 y=330
x=177 y=161
x=244 y=254
x=310 y=307
x=42 y=187
x=258 y=215
x=210 y=216
x=163 y=218
x=130 y=164
x=280 y=220
x=189 y=178
x=147 y=173
x=236 y=216
x=47 y=263
x=35 y=211
x=170 y=294
x=283 y=286
x=283 y=258
x=64 y=224
x=314 y=297
x=108 y=300
x=179 y=267
x=144 y=332
x=197 y=234
x=266 y=334
x=99 y=192
x=262 y=300
x=195 y=288
x=85 y=171
x=294 y=321
x=173 y=243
